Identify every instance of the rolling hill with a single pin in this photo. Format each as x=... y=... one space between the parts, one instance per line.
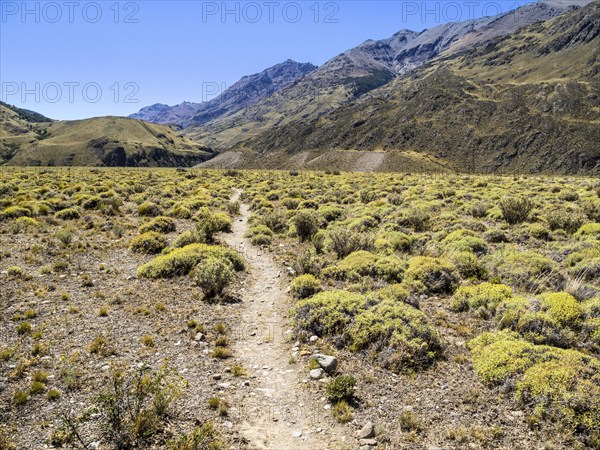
x=103 y=141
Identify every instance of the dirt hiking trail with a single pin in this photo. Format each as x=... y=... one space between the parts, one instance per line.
x=277 y=409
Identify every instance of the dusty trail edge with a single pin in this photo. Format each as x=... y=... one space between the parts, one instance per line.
x=277 y=409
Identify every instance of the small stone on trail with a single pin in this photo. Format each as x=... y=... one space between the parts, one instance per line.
x=297 y=434
x=317 y=374
x=327 y=363
x=216 y=376
x=314 y=338
x=367 y=431
x=370 y=442
x=199 y=337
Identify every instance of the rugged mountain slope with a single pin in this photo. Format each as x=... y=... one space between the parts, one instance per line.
x=364 y=68
x=104 y=141
x=528 y=102
x=247 y=91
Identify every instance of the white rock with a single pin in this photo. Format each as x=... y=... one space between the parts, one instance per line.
x=317 y=374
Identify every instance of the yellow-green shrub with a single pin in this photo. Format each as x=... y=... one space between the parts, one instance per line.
x=366 y=264
x=589 y=230
x=305 y=286
x=409 y=341
x=328 y=313
x=149 y=209
x=68 y=214
x=160 y=224
x=464 y=240
x=181 y=261
x=188 y=237
x=213 y=275
x=150 y=243
x=525 y=269
x=433 y=275
x=484 y=296
x=560 y=385
x=12 y=212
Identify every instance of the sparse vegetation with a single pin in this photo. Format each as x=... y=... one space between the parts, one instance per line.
x=396 y=271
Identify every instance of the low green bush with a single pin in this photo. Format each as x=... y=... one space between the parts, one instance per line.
x=187 y=238
x=259 y=229
x=483 y=298
x=464 y=240
x=561 y=386
x=181 y=212
x=552 y=319
x=589 y=230
x=468 y=265
x=208 y=223
x=306 y=222
x=515 y=209
x=68 y=214
x=525 y=269
x=398 y=332
x=149 y=209
x=181 y=261
x=383 y=324
x=213 y=275
x=305 y=285
x=341 y=388
x=432 y=275
x=344 y=241
x=160 y=224
x=366 y=264
x=567 y=219
x=330 y=213
x=150 y=243
x=13 y=212
x=419 y=219
x=328 y=313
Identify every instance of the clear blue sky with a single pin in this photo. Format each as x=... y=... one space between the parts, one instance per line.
x=88 y=59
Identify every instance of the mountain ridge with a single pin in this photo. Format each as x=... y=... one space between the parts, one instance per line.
x=360 y=70
x=526 y=102
x=245 y=92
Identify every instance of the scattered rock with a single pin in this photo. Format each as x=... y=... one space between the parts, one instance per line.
x=216 y=376
x=313 y=338
x=297 y=434
x=369 y=442
x=199 y=337
x=317 y=374
x=367 y=431
x=327 y=363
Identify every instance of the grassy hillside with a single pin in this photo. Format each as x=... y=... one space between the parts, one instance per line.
x=103 y=141
x=527 y=103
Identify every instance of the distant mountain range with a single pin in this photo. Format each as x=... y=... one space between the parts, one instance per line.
x=512 y=93
x=246 y=92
